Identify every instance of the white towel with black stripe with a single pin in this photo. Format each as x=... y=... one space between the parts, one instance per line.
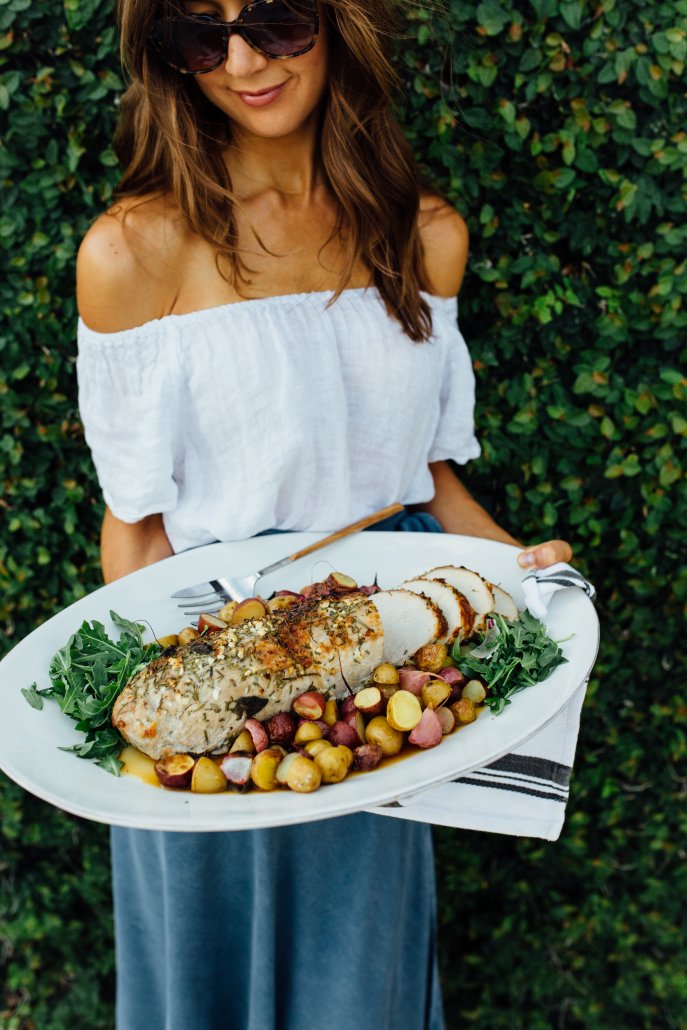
x=540 y=585
x=524 y=793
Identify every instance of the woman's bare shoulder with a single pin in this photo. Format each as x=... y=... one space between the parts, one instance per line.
x=127 y=265
x=445 y=240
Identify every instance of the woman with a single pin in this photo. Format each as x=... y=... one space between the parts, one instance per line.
x=267 y=340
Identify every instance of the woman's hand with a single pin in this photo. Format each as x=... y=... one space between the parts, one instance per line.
x=540 y=556
x=458 y=512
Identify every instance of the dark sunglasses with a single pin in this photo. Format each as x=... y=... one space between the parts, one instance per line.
x=195 y=44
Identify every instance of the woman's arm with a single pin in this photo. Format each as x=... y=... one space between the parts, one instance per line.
x=125 y=547
x=458 y=512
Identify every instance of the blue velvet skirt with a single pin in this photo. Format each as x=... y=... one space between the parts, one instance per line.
x=326 y=924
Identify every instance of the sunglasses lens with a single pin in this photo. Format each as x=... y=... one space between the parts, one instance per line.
x=189 y=45
x=281 y=28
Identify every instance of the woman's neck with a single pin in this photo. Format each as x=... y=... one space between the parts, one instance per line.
x=289 y=165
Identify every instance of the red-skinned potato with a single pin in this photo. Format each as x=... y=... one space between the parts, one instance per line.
x=367 y=757
x=348 y=705
x=447 y=719
x=455 y=679
x=342 y=733
x=281 y=728
x=175 y=771
x=280 y=602
x=236 y=768
x=340 y=582
x=428 y=731
x=355 y=719
x=251 y=608
x=369 y=701
x=210 y=623
x=258 y=734
x=310 y=705
x=413 y=680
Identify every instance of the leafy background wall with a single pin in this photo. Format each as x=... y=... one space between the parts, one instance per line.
x=558 y=128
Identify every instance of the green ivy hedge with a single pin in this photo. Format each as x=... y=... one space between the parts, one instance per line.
x=558 y=129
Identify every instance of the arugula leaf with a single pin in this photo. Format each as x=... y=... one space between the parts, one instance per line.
x=33 y=696
x=87 y=675
x=509 y=657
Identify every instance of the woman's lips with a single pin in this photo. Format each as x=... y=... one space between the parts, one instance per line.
x=263 y=98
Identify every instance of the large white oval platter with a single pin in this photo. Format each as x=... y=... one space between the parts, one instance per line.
x=29 y=739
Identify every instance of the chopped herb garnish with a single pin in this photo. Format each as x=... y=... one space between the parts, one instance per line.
x=509 y=657
x=87 y=675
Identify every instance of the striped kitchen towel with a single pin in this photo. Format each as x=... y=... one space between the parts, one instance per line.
x=540 y=585
x=524 y=793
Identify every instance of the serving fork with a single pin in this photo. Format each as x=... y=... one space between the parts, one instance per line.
x=209 y=596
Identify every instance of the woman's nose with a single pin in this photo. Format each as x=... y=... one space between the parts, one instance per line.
x=242 y=61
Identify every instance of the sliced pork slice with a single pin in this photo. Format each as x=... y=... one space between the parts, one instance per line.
x=410 y=621
x=455 y=607
x=477 y=590
x=505 y=605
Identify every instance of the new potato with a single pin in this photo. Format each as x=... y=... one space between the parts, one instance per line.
x=379 y=731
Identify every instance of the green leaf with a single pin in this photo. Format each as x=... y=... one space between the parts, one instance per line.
x=33 y=696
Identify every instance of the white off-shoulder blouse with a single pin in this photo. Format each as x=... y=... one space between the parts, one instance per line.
x=273 y=413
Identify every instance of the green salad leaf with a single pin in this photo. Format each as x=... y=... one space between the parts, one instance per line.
x=509 y=657
x=86 y=676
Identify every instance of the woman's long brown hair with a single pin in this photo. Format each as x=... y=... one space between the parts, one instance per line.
x=170 y=141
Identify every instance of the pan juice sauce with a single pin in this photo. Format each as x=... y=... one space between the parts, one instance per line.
x=142 y=767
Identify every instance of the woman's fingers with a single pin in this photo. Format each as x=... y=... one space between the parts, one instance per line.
x=540 y=556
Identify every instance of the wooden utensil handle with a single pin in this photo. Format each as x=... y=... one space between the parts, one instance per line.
x=369 y=520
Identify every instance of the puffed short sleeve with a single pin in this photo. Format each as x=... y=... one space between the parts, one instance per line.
x=454 y=437
x=128 y=403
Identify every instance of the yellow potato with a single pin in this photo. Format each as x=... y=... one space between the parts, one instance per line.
x=138 y=765
x=331 y=713
x=303 y=775
x=263 y=771
x=334 y=763
x=464 y=711
x=313 y=747
x=171 y=640
x=435 y=693
x=386 y=674
x=225 y=613
x=244 y=742
x=431 y=657
x=403 y=711
x=187 y=634
x=307 y=731
x=378 y=731
x=207 y=778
